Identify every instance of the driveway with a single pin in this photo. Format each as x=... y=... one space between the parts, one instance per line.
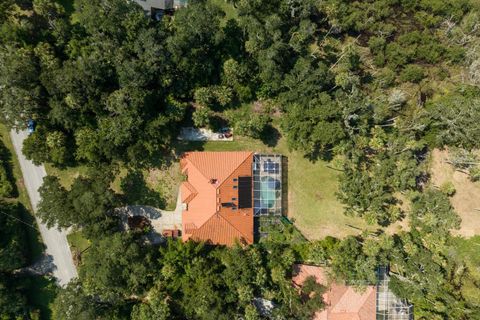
x=159 y=219
x=57 y=251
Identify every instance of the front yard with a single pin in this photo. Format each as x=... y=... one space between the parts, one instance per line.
x=312 y=203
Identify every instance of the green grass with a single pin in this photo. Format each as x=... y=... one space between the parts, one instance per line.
x=66 y=175
x=312 y=202
x=77 y=241
x=230 y=11
x=40 y=295
x=468 y=251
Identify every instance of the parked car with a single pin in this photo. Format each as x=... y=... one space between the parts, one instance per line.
x=30 y=126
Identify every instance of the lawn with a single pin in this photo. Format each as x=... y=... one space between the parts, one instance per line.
x=66 y=175
x=312 y=203
x=77 y=241
x=230 y=12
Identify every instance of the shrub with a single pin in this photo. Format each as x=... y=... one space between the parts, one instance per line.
x=201 y=117
x=475 y=173
x=448 y=188
x=6 y=187
x=412 y=73
x=204 y=96
x=252 y=126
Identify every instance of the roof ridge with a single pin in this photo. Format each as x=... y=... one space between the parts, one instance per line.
x=217 y=214
x=209 y=178
x=200 y=171
x=243 y=234
x=249 y=153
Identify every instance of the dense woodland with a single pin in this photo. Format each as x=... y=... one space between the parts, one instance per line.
x=373 y=85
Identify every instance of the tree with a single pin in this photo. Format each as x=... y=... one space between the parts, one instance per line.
x=13 y=255
x=194 y=48
x=455 y=119
x=89 y=203
x=54 y=208
x=13 y=240
x=72 y=303
x=314 y=128
x=117 y=267
x=157 y=308
x=22 y=95
x=13 y=303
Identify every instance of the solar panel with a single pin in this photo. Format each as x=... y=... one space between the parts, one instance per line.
x=244 y=192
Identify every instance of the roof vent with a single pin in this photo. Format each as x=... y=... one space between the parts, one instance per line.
x=213 y=181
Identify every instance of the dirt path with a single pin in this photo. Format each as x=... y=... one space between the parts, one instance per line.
x=466 y=200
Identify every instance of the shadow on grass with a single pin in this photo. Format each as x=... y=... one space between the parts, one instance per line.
x=36 y=246
x=270 y=136
x=7 y=162
x=137 y=192
x=40 y=292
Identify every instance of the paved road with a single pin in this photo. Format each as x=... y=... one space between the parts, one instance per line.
x=57 y=249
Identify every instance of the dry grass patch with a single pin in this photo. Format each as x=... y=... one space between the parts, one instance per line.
x=166 y=181
x=466 y=199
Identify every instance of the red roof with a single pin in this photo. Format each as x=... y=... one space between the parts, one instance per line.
x=210 y=182
x=343 y=302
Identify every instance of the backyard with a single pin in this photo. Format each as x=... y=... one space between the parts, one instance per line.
x=316 y=211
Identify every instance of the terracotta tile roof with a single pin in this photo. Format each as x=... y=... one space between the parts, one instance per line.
x=188 y=192
x=218 y=230
x=343 y=302
x=210 y=183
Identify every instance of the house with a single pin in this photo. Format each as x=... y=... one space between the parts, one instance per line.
x=217 y=197
x=345 y=303
x=342 y=301
x=157 y=8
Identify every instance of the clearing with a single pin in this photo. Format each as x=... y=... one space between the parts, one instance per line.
x=466 y=199
x=312 y=203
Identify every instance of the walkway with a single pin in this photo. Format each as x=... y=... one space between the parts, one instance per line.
x=57 y=251
x=160 y=219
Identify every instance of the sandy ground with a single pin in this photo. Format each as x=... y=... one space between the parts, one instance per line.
x=466 y=200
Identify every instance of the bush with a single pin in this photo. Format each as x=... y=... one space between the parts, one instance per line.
x=475 y=173
x=201 y=117
x=251 y=126
x=6 y=187
x=204 y=96
x=448 y=188
x=412 y=73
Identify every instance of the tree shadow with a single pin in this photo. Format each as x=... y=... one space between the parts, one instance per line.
x=6 y=161
x=35 y=244
x=270 y=136
x=41 y=291
x=137 y=192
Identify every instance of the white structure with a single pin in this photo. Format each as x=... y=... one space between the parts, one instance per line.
x=151 y=5
x=156 y=8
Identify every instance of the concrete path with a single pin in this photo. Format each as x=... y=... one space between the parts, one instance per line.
x=160 y=219
x=57 y=249
x=202 y=134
